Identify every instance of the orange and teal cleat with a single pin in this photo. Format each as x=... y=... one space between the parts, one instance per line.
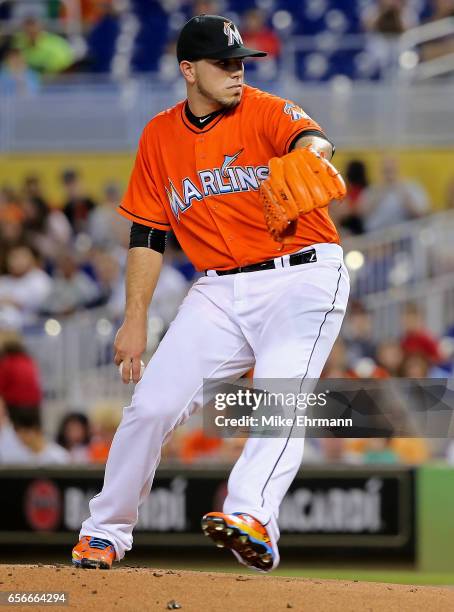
x=243 y=535
x=93 y=553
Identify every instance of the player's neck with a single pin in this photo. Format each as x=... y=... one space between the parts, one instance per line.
x=203 y=120
x=201 y=106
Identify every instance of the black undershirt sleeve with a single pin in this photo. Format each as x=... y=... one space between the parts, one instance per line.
x=317 y=133
x=148 y=237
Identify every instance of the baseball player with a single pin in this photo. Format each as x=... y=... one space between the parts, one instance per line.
x=243 y=179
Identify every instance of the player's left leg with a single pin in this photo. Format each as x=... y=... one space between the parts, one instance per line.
x=292 y=337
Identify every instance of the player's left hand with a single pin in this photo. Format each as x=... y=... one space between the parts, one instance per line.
x=298 y=183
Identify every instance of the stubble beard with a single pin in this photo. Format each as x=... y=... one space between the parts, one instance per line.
x=224 y=103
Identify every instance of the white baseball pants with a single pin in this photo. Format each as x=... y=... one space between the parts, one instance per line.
x=283 y=322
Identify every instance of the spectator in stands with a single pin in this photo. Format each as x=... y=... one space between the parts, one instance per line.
x=22 y=440
x=175 y=257
x=379 y=451
x=389 y=356
x=256 y=32
x=91 y=11
x=77 y=204
x=106 y=227
x=11 y=224
x=385 y=20
x=32 y=190
x=196 y=446
x=169 y=293
x=409 y=451
x=389 y=17
x=348 y=216
x=393 y=200
x=10 y=207
x=340 y=365
x=74 y=435
x=357 y=332
x=46 y=229
x=336 y=365
x=415 y=365
x=45 y=52
x=105 y=419
x=336 y=451
x=20 y=384
x=23 y=289
x=15 y=76
x=110 y=279
x=205 y=7
x=72 y=289
x=417 y=339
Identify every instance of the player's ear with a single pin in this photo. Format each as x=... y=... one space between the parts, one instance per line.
x=188 y=71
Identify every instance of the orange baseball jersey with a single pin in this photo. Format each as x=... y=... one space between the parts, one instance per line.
x=203 y=183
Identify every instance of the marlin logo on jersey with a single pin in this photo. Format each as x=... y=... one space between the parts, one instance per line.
x=296 y=112
x=230 y=30
x=214 y=182
x=228 y=160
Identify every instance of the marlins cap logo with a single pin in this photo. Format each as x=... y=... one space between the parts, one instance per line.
x=231 y=31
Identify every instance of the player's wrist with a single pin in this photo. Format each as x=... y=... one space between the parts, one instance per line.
x=136 y=314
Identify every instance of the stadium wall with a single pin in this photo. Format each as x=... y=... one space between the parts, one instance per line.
x=432 y=167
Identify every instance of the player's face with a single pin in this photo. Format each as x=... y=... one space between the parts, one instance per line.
x=220 y=81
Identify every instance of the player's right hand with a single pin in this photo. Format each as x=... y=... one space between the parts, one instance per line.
x=130 y=343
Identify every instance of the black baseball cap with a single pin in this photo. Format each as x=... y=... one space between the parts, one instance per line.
x=212 y=37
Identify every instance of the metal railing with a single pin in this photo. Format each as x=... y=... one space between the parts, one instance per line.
x=75 y=358
x=434 y=297
x=401 y=256
x=411 y=67
x=107 y=117
x=411 y=262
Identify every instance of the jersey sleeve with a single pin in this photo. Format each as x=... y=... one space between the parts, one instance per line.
x=284 y=121
x=141 y=202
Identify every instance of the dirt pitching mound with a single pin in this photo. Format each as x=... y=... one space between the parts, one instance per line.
x=148 y=589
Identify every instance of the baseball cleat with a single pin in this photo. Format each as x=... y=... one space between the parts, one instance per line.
x=243 y=535
x=93 y=553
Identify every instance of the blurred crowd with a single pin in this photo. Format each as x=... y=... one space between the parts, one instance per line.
x=370 y=207
x=60 y=258
x=84 y=437
x=48 y=38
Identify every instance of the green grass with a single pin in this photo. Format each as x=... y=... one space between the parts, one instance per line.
x=378 y=575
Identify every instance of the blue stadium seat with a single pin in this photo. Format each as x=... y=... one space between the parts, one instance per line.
x=310 y=17
x=101 y=43
x=152 y=36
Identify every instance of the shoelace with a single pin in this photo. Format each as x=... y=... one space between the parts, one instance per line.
x=99 y=543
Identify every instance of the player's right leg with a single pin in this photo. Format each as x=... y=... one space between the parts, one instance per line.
x=204 y=341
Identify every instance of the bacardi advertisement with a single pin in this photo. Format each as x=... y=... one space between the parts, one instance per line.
x=355 y=508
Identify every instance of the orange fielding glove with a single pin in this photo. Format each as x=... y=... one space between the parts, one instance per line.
x=298 y=183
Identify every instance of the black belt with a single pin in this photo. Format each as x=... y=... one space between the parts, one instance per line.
x=294 y=260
